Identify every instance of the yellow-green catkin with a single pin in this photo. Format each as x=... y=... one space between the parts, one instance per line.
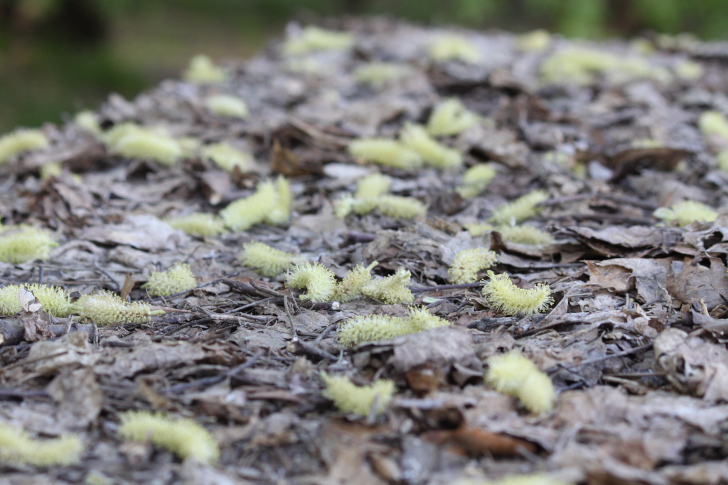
x=266 y=260
x=508 y=299
x=203 y=71
x=133 y=141
x=433 y=153
x=713 y=123
x=520 y=209
x=372 y=328
x=360 y=400
x=88 y=121
x=198 y=224
x=517 y=376
x=686 y=212
x=227 y=157
x=476 y=179
x=468 y=262
x=21 y=141
x=318 y=281
x=53 y=299
x=107 y=309
x=449 y=118
x=17 y=448
x=270 y=203
x=350 y=287
x=227 y=106
x=312 y=39
x=390 y=290
x=534 y=41
x=383 y=151
x=19 y=244
x=373 y=185
x=379 y=74
x=183 y=437
x=454 y=48
x=176 y=279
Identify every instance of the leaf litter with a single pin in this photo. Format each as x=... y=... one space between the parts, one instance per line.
x=633 y=342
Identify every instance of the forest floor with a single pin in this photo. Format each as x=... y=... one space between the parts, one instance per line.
x=633 y=341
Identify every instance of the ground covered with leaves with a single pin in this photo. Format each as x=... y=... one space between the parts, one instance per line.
x=609 y=277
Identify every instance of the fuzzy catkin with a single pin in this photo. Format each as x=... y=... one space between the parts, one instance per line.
x=350 y=287
x=19 y=244
x=467 y=263
x=517 y=376
x=350 y=398
x=264 y=259
x=183 y=437
x=176 y=279
x=390 y=290
x=386 y=152
x=318 y=281
x=371 y=328
x=17 y=448
x=520 y=209
x=198 y=224
x=508 y=299
x=53 y=299
x=433 y=153
x=107 y=309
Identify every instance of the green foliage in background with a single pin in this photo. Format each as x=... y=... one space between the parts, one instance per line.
x=54 y=59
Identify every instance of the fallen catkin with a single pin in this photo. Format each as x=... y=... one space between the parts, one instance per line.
x=531 y=479
x=107 y=309
x=475 y=180
x=467 y=263
x=183 y=437
x=318 y=281
x=520 y=209
x=270 y=203
x=450 y=117
x=227 y=157
x=226 y=105
x=433 y=153
x=517 y=376
x=373 y=185
x=203 y=71
x=312 y=39
x=350 y=398
x=390 y=290
x=386 y=152
x=17 y=448
x=371 y=328
x=686 y=212
x=350 y=287
x=176 y=279
x=198 y=224
x=508 y=299
x=264 y=259
x=53 y=299
x=21 y=141
x=145 y=143
x=19 y=244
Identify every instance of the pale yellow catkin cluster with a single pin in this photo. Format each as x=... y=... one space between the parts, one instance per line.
x=203 y=71
x=271 y=203
x=360 y=400
x=88 y=121
x=475 y=180
x=107 y=309
x=468 y=262
x=21 y=141
x=371 y=328
x=454 y=48
x=17 y=448
x=227 y=157
x=531 y=479
x=449 y=118
x=713 y=123
x=198 y=224
x=350 y=287
x=686 y=212
x=312 y=39
x=507 y=298
x=19 y=244
x=517 y=376
x=176 y=279
x=432 y=152
x=378 y=74
x=390 y=290
x=520 y=209
x=227 y=106
x=183 y=437
x=520 y=234
x=534 y=41
x=266 y=260
x=370 y=195
x=383 y=151
x=53 y=299
x=318 y=281
x=134 y=141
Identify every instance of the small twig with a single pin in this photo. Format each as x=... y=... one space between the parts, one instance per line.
x=601 y=359
x=299 y=347
x=326 y=331
x=105 y=273
x=290 y=317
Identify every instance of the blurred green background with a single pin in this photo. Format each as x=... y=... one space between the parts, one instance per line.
x=60 y=56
